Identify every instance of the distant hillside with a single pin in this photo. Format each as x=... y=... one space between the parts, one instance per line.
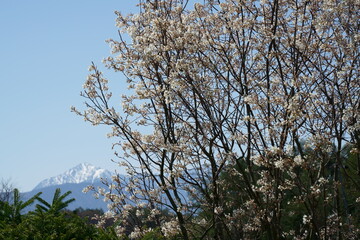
x=82 y=200
x=74 y=180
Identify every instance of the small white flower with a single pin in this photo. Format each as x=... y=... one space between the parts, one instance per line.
x=279 y=164
x=298 y=160
x=87 y=189
x=218 y=210
x=306 y=219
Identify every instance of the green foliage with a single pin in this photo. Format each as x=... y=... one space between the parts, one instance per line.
x=57 y=204
x=48 y=221
x=108 y=234
x=5 y=212
x=88 y=214
x=351 y=182
x=12 y=212
x=49 y=226
x=154 y=235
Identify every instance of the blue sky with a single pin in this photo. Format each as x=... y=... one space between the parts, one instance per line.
x=46 y=47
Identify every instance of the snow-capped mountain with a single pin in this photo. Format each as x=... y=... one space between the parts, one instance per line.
x=82 y=173
x=74 y=180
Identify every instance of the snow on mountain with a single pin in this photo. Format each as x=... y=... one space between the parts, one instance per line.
x=82 y=173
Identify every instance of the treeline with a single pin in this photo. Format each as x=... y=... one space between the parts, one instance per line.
x=52 y=220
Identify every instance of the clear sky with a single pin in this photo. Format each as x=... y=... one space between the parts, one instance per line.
x=46 y=47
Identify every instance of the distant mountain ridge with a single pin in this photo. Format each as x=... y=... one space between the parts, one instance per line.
x=74 y=180
x=82 y=173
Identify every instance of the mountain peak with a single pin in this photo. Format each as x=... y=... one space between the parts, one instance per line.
x=83 y=172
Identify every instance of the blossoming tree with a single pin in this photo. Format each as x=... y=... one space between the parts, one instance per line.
x=242 y=122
